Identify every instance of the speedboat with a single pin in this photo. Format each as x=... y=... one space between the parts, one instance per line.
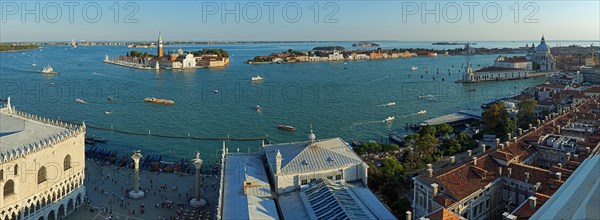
x=286 y=127
x=216 y=91
x=48 y=70
x=256 y=78
x=258 y=108
x=422 y=112
x=390 y=118
x=110 y=99
x=80 y=101
x=390 y=104
x=414 y=68
x=107 y=112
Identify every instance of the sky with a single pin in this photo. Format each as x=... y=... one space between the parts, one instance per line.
x=107 y=20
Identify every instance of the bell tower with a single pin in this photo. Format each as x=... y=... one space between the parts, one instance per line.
x=160 y=46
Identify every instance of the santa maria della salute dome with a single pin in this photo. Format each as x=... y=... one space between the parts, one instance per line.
x=541 y=56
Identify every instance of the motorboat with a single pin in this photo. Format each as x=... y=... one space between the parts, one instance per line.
x=421 y=112
x=159 y=101
x=414 y=68
x=78 y=100
x=48 y=70
x=216 y=91
x=107 y=112
x=390 y=104
x=257 y=78
x=390 y=118
x=258 y=108
x=286 y=128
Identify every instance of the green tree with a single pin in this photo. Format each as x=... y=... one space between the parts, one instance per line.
x=526 y=112
x=494 y=115
x=392 y=168
x=389 y=148
x=445 y=129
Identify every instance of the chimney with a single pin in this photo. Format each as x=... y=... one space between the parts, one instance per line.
x=568 y=156
x=526 y=177
x=483 y=147
x=546 y=117
x=515 y=139
x=532 y=202
x=558 y=129
x=430 y=172
x=589 y=150
x=508 y=216
x=520 y=131
x=575 y=157
x=474 y=160
x=429 y=166
x=539 y=122
x=470 y=152
x=434 y=186
x=408 y=215
x=553 y=123
x=452 y=159
x=497 y=142
x=530 y=126
x=502 y=146
x=558 y=176
x=509 y=171
x=499 y=171
x=509 y=136
x=560 y=165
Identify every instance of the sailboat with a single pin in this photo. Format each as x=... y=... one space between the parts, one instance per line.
x=33 y=64
x=73 y=44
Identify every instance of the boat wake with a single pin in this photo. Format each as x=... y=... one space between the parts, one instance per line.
x=106 y=75
x=379 y=79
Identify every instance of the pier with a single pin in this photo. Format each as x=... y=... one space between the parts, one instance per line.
x=459 y=118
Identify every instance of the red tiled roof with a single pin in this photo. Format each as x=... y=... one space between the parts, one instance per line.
x=443 y=214
x=444 y=201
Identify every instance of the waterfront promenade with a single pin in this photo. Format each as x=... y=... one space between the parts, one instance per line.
x=167 y=195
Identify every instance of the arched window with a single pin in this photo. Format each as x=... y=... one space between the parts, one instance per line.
x=1 y=175
x=16 y=169
x=9 y=188
x=42 y=174
x=67 y=162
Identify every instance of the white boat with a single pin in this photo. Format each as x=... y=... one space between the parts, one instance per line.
x=413 y=68
x=107 y=112
x=390 y=118
x=216 y=91
x=33 y=64
x=48 y=70
x=422 y=112
x=258 y=108
x=80 y=101
x=256 y=78
x=390 y=104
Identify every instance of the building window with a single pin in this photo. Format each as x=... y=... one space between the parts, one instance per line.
x=338 y=177
x=42 y=174
x=67 y=162
x=9 y=188
x=16 y=171
x=1 y=175
x=303 y=182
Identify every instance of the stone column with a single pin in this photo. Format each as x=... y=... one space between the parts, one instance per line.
x=197 y=201
x=136 y=193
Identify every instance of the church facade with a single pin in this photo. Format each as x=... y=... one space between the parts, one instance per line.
x=542 y=57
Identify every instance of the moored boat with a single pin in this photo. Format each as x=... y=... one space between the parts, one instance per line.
x=422 y=112
x=390 y=104
x=414 y=68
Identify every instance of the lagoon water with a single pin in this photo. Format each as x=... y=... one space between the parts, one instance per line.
x=338 y=99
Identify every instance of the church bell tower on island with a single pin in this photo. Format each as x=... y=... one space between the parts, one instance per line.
x=160 y=46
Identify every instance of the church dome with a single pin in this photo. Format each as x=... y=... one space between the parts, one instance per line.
x=543 y=47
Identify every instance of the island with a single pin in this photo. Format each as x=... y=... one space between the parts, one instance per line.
x=180 y=59
x=365 y=44
x=338 y=53
x=17 y=47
